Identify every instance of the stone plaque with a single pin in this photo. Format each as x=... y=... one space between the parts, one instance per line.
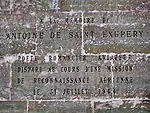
x=74 y=56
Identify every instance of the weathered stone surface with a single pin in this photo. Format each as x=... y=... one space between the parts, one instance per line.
x=5 y=80
x=135 y=83
x=74 y=56
x=13 y=107
x=59 y=107
x=118 y=33
x=53 y=78
x=122 y=106
x=59 y=36
x=104 y=5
